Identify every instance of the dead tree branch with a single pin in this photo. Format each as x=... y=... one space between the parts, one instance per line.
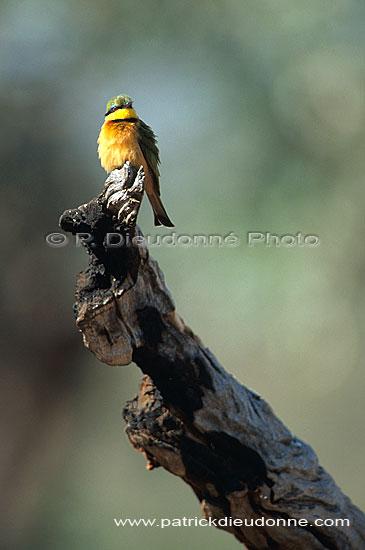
x=191 y=416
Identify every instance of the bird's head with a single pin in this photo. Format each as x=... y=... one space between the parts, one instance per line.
x=120 y=108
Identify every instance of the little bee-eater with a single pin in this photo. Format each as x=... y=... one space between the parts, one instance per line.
x=124 y=136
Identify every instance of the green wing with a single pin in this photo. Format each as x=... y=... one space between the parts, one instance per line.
x=148 y=144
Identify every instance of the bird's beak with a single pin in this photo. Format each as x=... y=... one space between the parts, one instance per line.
x=129 y=104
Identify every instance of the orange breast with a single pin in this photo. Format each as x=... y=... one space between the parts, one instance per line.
x=118 y=142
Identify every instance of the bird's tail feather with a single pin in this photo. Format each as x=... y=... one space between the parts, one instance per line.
x=161 y=216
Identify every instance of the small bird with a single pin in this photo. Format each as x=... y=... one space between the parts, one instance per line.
x=124 y=136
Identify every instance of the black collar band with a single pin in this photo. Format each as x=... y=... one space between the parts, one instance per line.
x=124 y=120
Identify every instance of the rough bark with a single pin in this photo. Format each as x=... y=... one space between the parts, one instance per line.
x=191 y=416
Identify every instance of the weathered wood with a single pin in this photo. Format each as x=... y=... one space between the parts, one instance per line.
x=191 y=416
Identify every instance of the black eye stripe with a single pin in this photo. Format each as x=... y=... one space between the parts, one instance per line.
x=112 y=110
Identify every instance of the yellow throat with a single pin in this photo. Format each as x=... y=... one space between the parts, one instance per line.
x=121 y=114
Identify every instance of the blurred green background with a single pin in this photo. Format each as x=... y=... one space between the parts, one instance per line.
x=259 y=110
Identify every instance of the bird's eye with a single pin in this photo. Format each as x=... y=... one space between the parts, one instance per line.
x=111 y=109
